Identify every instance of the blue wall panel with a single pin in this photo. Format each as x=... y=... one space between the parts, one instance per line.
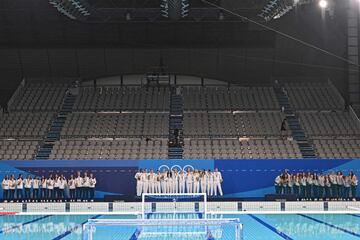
x=242 y=178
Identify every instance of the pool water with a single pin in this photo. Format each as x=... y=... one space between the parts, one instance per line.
x=256 y=227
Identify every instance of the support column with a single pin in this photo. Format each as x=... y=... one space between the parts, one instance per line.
x=353 y=53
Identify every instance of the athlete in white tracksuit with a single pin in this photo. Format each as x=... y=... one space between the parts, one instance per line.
x=196 y=179
x=163 y=180
x=203 y=181
x=152 y=181
x=217 y=182
x=138 y=183
x=189 y=181
x=175 y=181
x=169 y=183
x=210 y=183
x=145 y=181
x=158 y=182
x=182 y=178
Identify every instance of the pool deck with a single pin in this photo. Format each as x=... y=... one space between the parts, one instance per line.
x=135 y=208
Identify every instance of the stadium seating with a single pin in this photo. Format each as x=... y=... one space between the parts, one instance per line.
x=329 y=123
x=233 y=98
x=338 y=148
x=39 y=97
x=18 y=149
x=235 y=149
x=196 y=124
x=334 y=134
x=116 y=125
x=110 y=149
x=25 y=124
x=253 y=98
x=200 y=124
x=122 y=99
x=313 y=96
x=132 y=122
x=259 y=123
x=194 y=98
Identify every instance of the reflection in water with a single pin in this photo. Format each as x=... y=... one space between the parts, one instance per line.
x=293 y=225
x=298 y=225
x=185 y=231
x=57 y=225
x=48 y=227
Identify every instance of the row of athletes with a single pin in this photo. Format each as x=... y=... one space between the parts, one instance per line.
x=179 y=182
x=53 y=188
x=312 y=186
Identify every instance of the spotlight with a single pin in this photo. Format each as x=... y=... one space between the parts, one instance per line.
x=323 y=3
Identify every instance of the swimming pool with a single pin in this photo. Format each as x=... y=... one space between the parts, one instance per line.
x=256 y=227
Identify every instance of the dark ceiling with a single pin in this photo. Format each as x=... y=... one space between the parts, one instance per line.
x=38 y=41
x=34 y=23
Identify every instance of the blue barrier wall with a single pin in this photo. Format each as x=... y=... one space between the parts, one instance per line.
x=242 y=178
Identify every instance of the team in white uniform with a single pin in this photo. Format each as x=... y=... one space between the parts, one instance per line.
x=179 y=182
x=5 y=184
x=53 y=188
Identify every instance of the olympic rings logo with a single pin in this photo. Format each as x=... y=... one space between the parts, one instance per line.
x=177 y=167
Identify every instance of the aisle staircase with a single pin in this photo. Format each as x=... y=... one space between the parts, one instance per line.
x=175 y=151
x=57 y=124
x=306 y=147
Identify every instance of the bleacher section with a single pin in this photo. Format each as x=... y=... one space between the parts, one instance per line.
x=216 y=122
x=338 y=148
x=233 y=98
x=18 y=149
x=122 y=99
x=110 y=149
x=38 y=97
x=202 y=124
x=334 y=134
x=259 y=123
x=294 y=125
x=116 y=125
x=333 y=130
x=235 y=149
x=29 y=114
x=314 y=96
x=25 y=124
x=216 y=117
x=329 y=124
